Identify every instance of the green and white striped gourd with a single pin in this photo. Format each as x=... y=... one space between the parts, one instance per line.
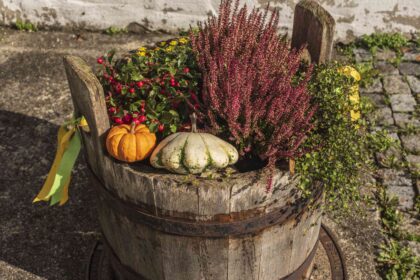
x=193 y=152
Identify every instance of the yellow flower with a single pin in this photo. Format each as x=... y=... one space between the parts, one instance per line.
x=173 y=43
x=183 y=40
x=169 y=49
x=141 y=53
x=162 y=44
x=142 y=49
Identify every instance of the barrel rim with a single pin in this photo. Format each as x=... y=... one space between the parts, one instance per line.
x=240 y=223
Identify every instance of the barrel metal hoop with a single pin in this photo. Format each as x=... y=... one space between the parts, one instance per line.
x=130 y=274
x=177 y=226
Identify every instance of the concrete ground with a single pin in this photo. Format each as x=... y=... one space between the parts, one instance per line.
x=41 y=242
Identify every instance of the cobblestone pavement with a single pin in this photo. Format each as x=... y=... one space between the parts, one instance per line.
x=396 y=96
x=41 y=242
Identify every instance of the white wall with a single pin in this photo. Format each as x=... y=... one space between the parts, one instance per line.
x=353 y=17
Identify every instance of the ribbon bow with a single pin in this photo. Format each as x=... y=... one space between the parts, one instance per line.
x=56 y=186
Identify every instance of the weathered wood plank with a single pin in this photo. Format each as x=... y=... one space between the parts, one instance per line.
x=244 y=258
x=314 y=27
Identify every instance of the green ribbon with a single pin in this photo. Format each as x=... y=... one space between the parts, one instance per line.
x=65 y=168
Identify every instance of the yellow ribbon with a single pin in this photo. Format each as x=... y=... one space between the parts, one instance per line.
x=64 y=137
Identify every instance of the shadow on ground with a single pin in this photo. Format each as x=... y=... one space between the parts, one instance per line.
x=49 y=242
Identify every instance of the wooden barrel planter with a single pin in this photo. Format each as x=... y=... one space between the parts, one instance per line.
x=159 y=225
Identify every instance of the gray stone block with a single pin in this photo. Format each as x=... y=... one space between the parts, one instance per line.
x=393 y=177
x=403 y=120
x=386 y=68
x=414 y=83
x=413 y=162
x=362 y=55
x=410 y=68
x=405 y=196
x=382 y=117
x=411 y=56
x=396 y=85
x=375 y=87
x=411 y=143
x=385 y=54
x=402 y=103
x=377 y=100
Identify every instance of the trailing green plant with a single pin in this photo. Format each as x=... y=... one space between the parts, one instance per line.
x=367 y=72
x=112 y=30
x=25 y=26
x=375 y=41
x=398 y=262
x=343 y=147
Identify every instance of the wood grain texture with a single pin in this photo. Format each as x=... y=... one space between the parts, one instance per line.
x=268 y=254
x=313 y=27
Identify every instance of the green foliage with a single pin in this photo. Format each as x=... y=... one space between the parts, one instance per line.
x=25 y=26
x=375 y=41
x=398 y=262
x=342 y=147
x=367 y=72
x=152 y=85
x=390 y=216
x=112 y=30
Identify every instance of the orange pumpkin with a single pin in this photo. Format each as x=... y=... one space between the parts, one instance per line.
x=130 y=143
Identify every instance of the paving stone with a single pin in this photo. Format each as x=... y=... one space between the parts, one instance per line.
x=410 y=68
x=403 y=120
x=386 y=68
x=396 y=85
x=393 y=177
x=391 y=156
x=375 y=87
x=385 y=55
x=415 y=247
x=382 y=117
x=411 y=56
x=399 y=184
x=405 y=196
x=411 y=143
x=414 y=83
x=362 y=55
x=402 y=103
x=414 y=162
x=378 y=100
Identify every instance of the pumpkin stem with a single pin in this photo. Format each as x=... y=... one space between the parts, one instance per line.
x=133 y=128
x=193 y=118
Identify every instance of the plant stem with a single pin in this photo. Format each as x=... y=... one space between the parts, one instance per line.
x=193 y=118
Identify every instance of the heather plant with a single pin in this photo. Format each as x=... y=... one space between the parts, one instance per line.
x=249 y=94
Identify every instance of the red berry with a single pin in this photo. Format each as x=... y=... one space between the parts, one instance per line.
x=142 y=119
x=173 y=82
x=127 y=118
x=136 y=121
x=131 y=90
x=100 y=60
x=112 y=110
x=140 y=84
x=186 y=70
x=142 y=110
x=118 y=88
x=161 y=127
x=117 y=120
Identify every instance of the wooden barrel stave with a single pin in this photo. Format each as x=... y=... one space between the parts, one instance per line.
x=272 y=252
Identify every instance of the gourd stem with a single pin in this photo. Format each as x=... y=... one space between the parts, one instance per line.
x=133 y=128
x=193 y=118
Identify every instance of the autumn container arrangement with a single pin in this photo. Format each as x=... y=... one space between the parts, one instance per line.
x=191 y=146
